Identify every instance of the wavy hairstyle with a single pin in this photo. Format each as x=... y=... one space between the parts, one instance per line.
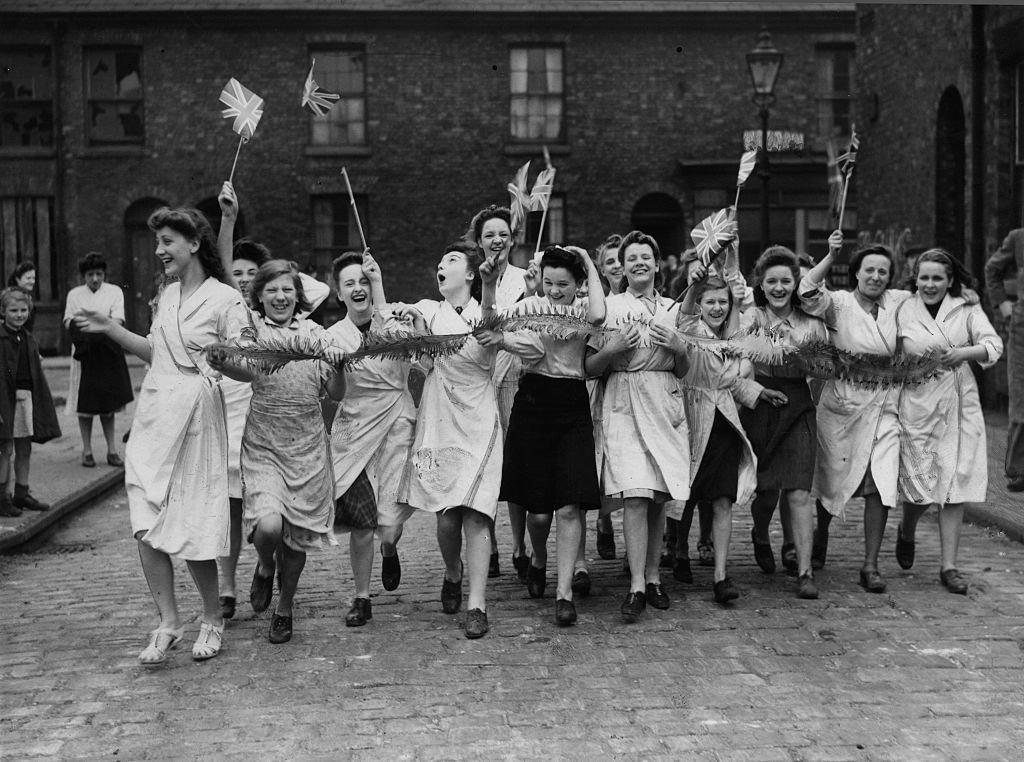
x=637 y=236
x=959 y=277
x=246 y=248
x=876 y=250
x=558 y=256
x=193 y=225
x=268 y=271
x=474 y=258
x=492 y=212
x=776 y=256
x=19 y=271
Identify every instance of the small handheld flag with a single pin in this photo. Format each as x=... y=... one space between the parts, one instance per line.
x=244 y=106
x=712 y=234
x=318 y=101
x=519 y=198
x=845 y=164
x=747 y=163
x=540 y=196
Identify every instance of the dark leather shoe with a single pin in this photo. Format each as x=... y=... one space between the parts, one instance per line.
x=390 y=571
x=681 y=571
x=788 y=555
x=494 y=570
x=606 y=545
x=725 y=591
x=954 y=581
x=261 y=590
x=904 y=550
x=227 y=606
x=581 y=583
x=7 y=508
x=476 y=624
x=360 y=613
x=29 y=503
x=565 y=613
x=819 y=550
x=806 y=588
x=451 y=596
x=656 y=596
x=521 y=564
x=763 y=554
x=872 y=581
x=115 y=460
x=536 y=581
x=633 y=607
x=280 y=629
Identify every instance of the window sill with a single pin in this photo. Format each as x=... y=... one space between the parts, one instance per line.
x=112 y=152
x=317 y=151
x=27 y=152
x=529 y=148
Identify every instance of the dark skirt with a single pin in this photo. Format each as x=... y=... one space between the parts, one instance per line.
x=719 y=470
x=784 y=438
x=105 y=386
x=549 y=448
x=357 y=508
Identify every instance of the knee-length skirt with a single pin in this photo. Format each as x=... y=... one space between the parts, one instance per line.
x=784 y=438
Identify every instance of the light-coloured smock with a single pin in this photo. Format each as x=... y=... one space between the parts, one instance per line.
x=508 y=367
x=714 y=383
x=858 y=426
x=375 y=424
x=544 y=353
x=286 y=469
x=107 y=300
x=643 y=413
x=177 y=453
x=457 y=453
x=943 y=457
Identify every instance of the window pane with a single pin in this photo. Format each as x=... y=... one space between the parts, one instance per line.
x=115 y=112
x=100 y=71
x=538 y=115
x=518 y=81
x=517 y=59
x=25 y=74
x=341 y=72
x=29 y=124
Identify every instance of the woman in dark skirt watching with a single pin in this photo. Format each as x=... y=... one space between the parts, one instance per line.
x=783 y=433
x=549 y=466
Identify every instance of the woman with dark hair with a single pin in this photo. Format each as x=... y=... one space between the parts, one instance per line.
x=371 y=435
x=100 y=383
x=24 y=277
x=646 y=439
x=177 y=455
x=943 y=453
x=454 y=467
x=287 y=483
x=858 y=426
x=491 y=229
x=242 y=260
x=783 y=431
x=549 y=452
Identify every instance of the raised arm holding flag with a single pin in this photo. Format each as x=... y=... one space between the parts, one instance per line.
x=246 y=108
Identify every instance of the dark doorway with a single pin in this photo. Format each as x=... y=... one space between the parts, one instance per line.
x=660 y=216
x=950 y=177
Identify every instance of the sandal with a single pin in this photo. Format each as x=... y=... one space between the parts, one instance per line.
x=208 y=643
x=161 y=640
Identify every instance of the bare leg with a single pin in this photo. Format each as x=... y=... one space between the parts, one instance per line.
x=85 y=429
x=518 y=519
x=683 y=530
x=6 y=449
x=22 y=459
x=604 y=524
x=107 y=422
x=266 y=540
x=159 y=571
x=449 y=540
x=539 y=525
x=581 y=546
x=478 y=555
x=360 y=544
x=389 y=537
x=567 y=532
x=229 y=564
x=705 y=514
x=911 y=515
x=292 y=563
x=951 y=520
x=786 y=520
x=635 y=532
x=204 y=573
x=802 y=514
x=655 y=531
x=722 y=532
x=875 y=516
x=761 y=511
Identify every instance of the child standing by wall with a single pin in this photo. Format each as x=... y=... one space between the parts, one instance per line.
x=26 y=408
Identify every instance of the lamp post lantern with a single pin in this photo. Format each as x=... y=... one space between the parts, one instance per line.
x=764 y=62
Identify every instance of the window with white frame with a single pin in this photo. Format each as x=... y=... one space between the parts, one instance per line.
x=341 y=71
x=114 y=98
x=537 y=88
x=835 y=66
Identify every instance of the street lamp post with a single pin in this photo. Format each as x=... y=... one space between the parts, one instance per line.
x=764 y=62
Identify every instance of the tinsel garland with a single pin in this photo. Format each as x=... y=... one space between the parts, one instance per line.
x=763 y=346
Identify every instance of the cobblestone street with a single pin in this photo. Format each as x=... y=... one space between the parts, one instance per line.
x=916 y=673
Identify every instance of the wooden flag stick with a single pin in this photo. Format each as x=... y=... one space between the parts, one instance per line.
x=842 y=201
x=231 y=177
x=355 y=210
x=736 y=203
x=540 y=235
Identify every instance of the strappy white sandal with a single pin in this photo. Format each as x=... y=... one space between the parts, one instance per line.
x=208 y=643
x=161 y=640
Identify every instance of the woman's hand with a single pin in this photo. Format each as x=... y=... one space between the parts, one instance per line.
x=954 y=356
x=89 y=321
x=370 y=268
x=773 y=397
x=970 y=296
x=532 y=278
x=217 y=357
x=697 y=272
x=489 y=271
x=228 y=201
x=409 y=315
x=623 y=340
x=662 y=336
x=490 y=338
x=334 y=356
x=835 y=242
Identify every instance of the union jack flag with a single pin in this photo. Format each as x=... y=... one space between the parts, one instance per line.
x=319 y=101
x=747 y=163
x=712 y=234
x=244 y=106
x=519 y=198
x=835 y=180
x=846 y=161
x=541 y=192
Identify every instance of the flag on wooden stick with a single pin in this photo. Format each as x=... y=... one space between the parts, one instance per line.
x=747 y=163
x=520 y=200
x=835 y=180
x=712 y=234
x=848 y=159
x=318 y=101
x=244 y=106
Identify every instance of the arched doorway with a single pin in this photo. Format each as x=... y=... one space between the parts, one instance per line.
x=660 y=216
x=950 y=173
x=140 y=263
